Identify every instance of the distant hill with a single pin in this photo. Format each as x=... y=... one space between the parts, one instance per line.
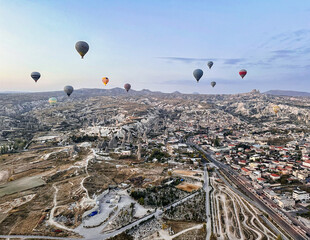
x=82 y=93
x=288 y=93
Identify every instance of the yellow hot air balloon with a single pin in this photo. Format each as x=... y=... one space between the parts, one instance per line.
x=105 y=80
x=52 y=100
x=276 y=109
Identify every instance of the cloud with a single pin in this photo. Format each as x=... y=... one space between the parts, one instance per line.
x=233 y=61
x=228 y=61
x=192 y=82
x=291 y=37
x=186 y=59
x=289 y=53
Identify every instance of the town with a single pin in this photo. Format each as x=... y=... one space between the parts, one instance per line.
x=149 y=165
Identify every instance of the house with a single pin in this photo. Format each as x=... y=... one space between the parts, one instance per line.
x=261 y=180
x=235 y=166
x=242 y=162
x=306 y=164
x=255 y=157
x=245 y=171
x=253 y=165
x=274 y=177
x=302 y=176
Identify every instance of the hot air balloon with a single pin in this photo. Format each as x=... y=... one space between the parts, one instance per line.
x=105 y=80
x=82 y=48
x=68 y=90
x=242 y=73
x=35 y=76
x=210 y=64
x=276 y=109
x=213 y=84
x=198 y=74
x=52 y=101
x=127 y=86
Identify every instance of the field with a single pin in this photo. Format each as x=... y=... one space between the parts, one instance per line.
x=188 y=187
x=21 y=185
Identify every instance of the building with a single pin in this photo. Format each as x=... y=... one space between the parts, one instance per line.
x=255 y=174
x=261 y=180
x=306 y=164
x=245 y=171
x=274 y=177
x=270 y=193
x=301 y=195
x=286 y=202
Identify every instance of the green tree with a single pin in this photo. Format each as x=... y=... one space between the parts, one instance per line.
x=213 y=237
x=279 y=237
x=204 y=228
x=141 y=201
x=216 y=142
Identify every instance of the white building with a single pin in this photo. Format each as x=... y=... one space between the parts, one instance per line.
x=301 y=195
x=255 y=174
x=286 y=202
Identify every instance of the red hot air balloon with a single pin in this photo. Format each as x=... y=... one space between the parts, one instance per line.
x=242 y=73
x=127 y=86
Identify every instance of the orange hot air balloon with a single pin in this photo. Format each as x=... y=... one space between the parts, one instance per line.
x=105 y=80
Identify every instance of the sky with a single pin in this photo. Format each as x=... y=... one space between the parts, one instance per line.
x=156 y=45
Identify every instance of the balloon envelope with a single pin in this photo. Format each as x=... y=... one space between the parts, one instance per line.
x=52 y=100
x=105 y=80
x=127 y=86
x=35 y=76
x=210 y=64
x=213 y=84
x=198 y=74
x=82 y=48
x=68 y=90
x=276 y=109
x=242 y=73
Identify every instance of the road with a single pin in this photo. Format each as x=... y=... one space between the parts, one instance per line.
x=207 y=190
x=230 y=175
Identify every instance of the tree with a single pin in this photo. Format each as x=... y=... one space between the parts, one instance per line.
x=216 y=142
x=141 y=201
x=213 y=237
x=279 y=237
x=204 y=228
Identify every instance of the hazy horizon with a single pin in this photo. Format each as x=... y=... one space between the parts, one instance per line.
x=165 y=92
x=155 y=45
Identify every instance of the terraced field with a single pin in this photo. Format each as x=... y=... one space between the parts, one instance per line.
x=233 y=217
